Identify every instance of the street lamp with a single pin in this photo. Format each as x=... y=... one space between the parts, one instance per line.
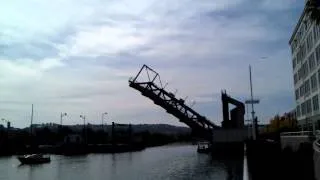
x=102 y=118
x=84 y=127
x=84 y=119
x=61 y=117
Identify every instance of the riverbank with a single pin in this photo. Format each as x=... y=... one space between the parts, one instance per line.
x=79 y=149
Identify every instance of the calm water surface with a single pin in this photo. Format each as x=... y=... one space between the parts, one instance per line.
x=159 y=163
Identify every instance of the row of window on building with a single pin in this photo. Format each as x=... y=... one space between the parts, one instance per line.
x=304 y=27
x=308 y=85
x=306 y=46
x=307 y=67
x=312 y=62
x=308 y=106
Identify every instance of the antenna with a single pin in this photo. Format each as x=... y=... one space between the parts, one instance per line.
x=193 y=103
x=175 y=92
x=165 y=85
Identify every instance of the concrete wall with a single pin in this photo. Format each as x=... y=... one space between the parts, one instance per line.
x=294 y=141
x=230 y=135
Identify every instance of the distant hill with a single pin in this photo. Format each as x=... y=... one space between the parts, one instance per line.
x=151 y=128
x=161 y=128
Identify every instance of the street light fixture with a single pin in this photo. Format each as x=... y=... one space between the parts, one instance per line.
x=83 y=118
x=84 y=127
x=102 y=118
x=61 y=117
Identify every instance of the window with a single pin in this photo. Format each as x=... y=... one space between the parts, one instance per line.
x=299 y=58
x=297 y=94
x=316 y=30
x=307 y=87
x=294 y=63
x=300 y=74
x=308 y=106
x=309 y=42
x=295 y=78
x=318 y=54
x=301 y=90
x=314 y=82
x=319 y=76
x=312 y=62
x=293 y=46
x=301 y=53
x=303 y=109
x=298 y=111
x=315 y=103
x=303 y=50
x=306 y=69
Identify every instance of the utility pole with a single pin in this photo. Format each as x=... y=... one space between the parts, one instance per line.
x=61 y=117
x=252 y=106
x=84 y=128
x=102 y=118
x=31 y=120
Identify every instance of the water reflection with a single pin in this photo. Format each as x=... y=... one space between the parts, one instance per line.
x=160 y=163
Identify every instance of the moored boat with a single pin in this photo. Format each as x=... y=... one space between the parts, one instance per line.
x=203 y=147
x=34 y=159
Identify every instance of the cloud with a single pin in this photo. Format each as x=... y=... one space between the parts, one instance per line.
x=80 y=59
x=281 y=5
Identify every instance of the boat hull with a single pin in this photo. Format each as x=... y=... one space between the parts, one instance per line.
x=24 y=160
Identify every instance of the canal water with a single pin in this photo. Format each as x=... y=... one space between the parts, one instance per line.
x=158 y=163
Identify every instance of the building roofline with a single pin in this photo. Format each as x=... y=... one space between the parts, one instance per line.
x=298 y=24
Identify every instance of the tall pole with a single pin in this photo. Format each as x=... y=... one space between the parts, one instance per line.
x=252 y=113
x=84 y=127
x=31 y=119
x=61 y=117
x=247 y=109
x=102 y=118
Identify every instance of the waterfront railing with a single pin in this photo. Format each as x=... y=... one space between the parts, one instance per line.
x=300 y=133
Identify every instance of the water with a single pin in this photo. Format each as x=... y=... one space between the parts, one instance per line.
x=167 y=162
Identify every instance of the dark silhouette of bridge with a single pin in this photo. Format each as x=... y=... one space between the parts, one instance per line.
x=153 y=89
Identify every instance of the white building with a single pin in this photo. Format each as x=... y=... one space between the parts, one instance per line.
x=305 y=48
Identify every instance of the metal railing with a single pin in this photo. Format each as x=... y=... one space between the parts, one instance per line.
x=300 y=133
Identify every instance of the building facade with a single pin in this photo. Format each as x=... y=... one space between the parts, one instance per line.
x=305 y=48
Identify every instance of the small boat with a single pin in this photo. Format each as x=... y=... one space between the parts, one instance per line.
x=203 y=147
x=34 y=159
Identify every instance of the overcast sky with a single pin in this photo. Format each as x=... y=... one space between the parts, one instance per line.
x=76 y=56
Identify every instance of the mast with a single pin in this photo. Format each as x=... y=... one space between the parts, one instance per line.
x=31 y=119
x=252 y=107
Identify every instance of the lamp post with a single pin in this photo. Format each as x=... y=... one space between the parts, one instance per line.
x=61 y=117
x=84 y=127
x=252 y=112
x=102 y=118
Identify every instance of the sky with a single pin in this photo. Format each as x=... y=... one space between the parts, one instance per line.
x=76 y=56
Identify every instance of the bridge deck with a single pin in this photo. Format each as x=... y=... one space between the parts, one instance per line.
x=199 y=124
